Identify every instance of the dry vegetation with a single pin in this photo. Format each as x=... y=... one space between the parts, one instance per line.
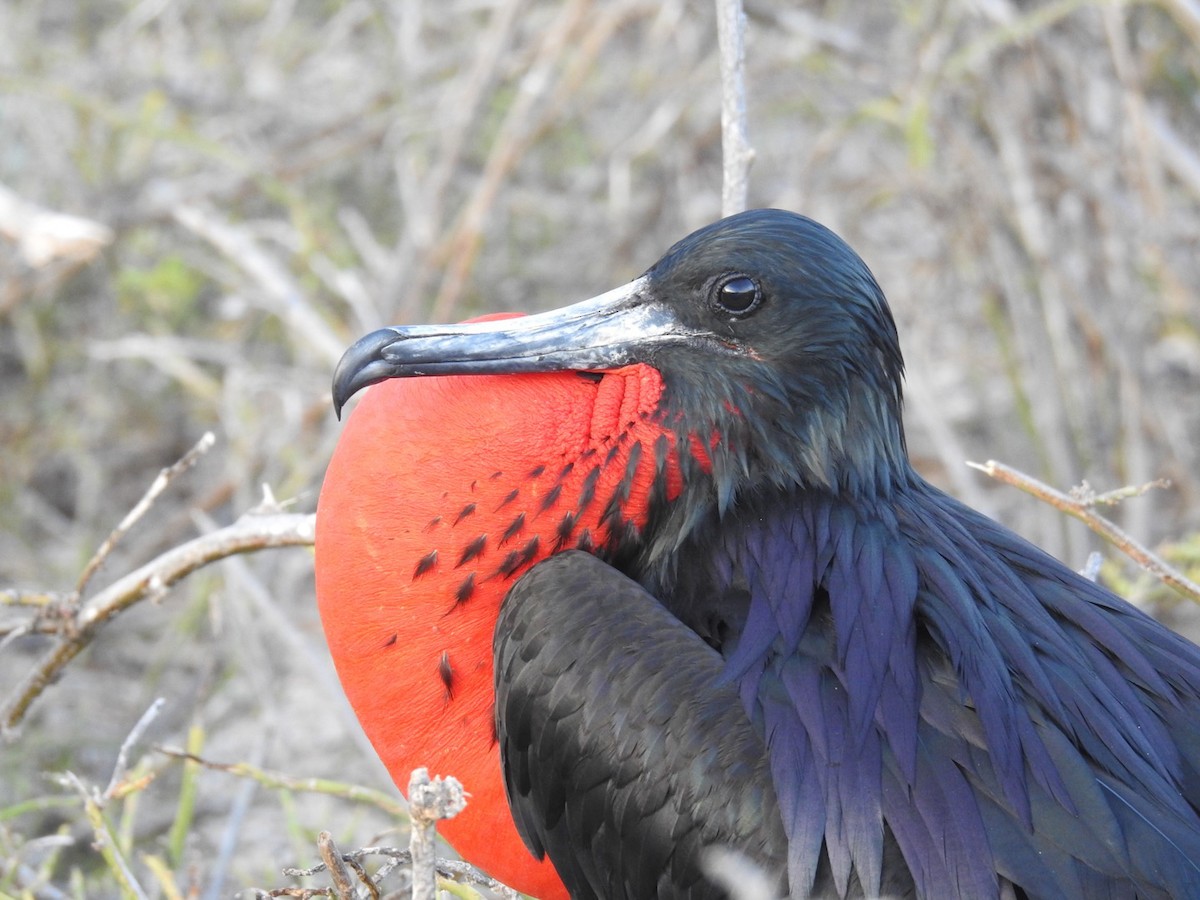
x=244 y=187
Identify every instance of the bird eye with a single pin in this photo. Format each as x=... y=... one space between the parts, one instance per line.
x=738 y=295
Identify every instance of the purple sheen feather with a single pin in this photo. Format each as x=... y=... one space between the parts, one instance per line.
x=1085 y=792
x=801 y=798
x=897 y=719
x=859 y=784
x=782 y=580
x=919 y=846
x=755 y=641
x=971 y=649
x=950 y=811
x=1046 y=772
x=1022 y=861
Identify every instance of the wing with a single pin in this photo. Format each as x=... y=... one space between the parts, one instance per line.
x=625 y=756
x=1113 y=700
x=933 y=683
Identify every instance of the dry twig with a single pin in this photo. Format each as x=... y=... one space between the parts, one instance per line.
x=160 y=484
x=269 y=778
x=1079 y=504
x=449 y=871
x=109 y=842
x=122 y=764
x=105 y=841
x=151 y=581
x=343 y=886
x=429 y=801
x=75 y=620
x=736 y=152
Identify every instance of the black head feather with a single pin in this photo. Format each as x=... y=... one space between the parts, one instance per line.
x=812 y=394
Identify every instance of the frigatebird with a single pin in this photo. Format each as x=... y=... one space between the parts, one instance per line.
x=677 y=528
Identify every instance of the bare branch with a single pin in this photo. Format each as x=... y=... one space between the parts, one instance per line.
x=160 y=484
x=1081 y=509
x=450 y=872
x=106 y=842
x=1084 y=494
x=249 y=533
x=122 y=764
x=343 y=886
x=736 y=152
x=274 y=780
x=53 y=613
x=428 y=802
x=41 y=600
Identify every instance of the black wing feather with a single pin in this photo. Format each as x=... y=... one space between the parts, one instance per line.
x=624 y=754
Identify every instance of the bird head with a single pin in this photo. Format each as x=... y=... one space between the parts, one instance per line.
x=776 y=347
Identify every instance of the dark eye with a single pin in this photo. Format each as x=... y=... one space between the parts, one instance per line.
x=738 y=295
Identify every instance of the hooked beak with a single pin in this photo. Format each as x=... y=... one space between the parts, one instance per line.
x=614 y=329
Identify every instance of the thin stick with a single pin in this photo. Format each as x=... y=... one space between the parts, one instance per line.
x=449 y=870
x=135 y=735
x=1084 y=494
x=271 y=779
x=35 y=599
x=105 y=841
x=428 y=802
x=160 y=484
x=1082 y=509
x=736 y=152
x=249 y=533
x=343 y=886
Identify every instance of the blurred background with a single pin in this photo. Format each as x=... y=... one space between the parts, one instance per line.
x=202 y=202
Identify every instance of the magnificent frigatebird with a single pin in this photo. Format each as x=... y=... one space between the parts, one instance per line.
x=778 y=637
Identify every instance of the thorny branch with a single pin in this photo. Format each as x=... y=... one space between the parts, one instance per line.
x=1080 y=503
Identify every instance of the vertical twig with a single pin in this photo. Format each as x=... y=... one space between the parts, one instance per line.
x=429 y=801
x=736 y=152
x=160 y=484
x=105 y=841
x=343 y=884
x=121 y=767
